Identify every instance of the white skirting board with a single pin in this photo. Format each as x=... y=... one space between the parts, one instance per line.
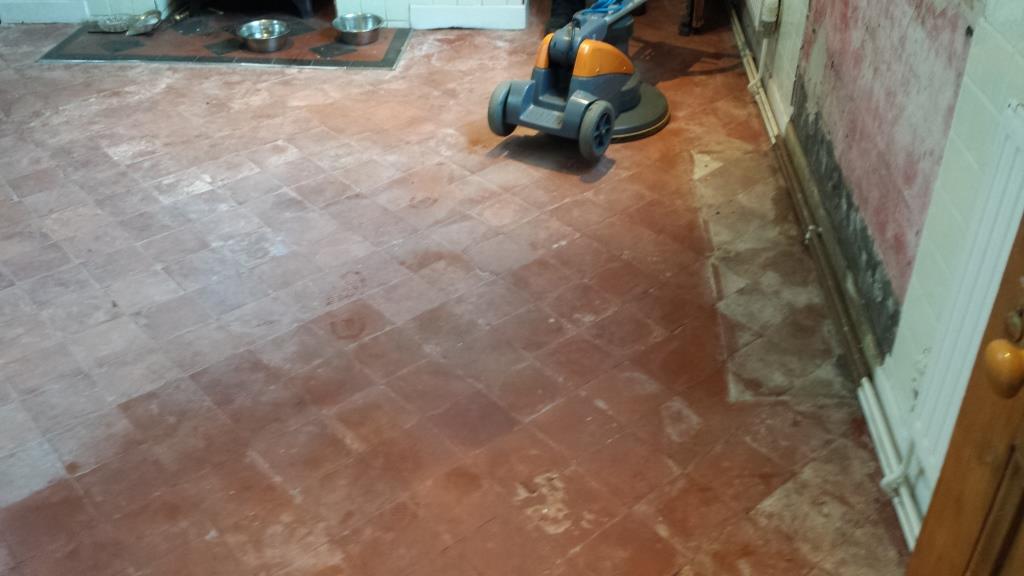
x=899 y=467
x=495 y=17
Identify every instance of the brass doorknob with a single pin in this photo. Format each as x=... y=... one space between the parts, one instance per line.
x=1004 y=362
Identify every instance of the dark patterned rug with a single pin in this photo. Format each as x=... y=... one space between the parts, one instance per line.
x=210 y=38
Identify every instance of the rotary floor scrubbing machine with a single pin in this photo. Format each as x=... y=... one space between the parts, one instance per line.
x=583 y=85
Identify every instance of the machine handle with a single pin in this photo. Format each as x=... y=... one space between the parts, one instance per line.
x=622 y=12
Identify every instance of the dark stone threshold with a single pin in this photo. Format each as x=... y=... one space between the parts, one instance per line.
x=63 y=53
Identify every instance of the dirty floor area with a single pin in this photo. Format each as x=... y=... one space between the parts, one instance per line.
x=294 y=322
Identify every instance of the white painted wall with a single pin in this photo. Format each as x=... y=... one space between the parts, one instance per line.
x=782 y=55
x=17 y=11
x=785 y=57
x=101 y=7
x=504 y=14
x=994 y=75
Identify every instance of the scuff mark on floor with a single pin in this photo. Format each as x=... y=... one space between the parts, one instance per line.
x=678 y=420
x=552 y=514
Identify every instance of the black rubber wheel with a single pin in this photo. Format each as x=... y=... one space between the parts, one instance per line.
x=496 y=110
x=596 y=130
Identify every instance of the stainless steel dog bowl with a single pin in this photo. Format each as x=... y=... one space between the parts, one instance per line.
x=264 y=35
x=115 y=23
x=144 y=23
x=358 y=29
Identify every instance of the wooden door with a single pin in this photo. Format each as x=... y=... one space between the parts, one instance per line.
x=975 y=525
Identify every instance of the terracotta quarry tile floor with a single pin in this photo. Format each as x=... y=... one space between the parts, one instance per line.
x=296 y=322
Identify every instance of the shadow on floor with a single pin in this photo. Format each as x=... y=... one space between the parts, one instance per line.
x=662 y=61
x=551 y=153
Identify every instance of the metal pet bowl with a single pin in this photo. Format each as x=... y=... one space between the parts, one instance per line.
x=115 y=23
x=265 y=35
x=144 y=23
x=358 y=29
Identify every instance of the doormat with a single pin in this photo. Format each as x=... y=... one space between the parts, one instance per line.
x=210 y=39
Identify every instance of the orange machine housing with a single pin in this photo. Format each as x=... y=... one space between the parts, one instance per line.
x=596 y=58
x=542 y=54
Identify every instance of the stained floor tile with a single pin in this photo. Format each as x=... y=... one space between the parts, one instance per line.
x=269 y=321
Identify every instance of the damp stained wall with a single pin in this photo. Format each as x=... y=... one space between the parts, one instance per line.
x=993 y=78
x=876 y=87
